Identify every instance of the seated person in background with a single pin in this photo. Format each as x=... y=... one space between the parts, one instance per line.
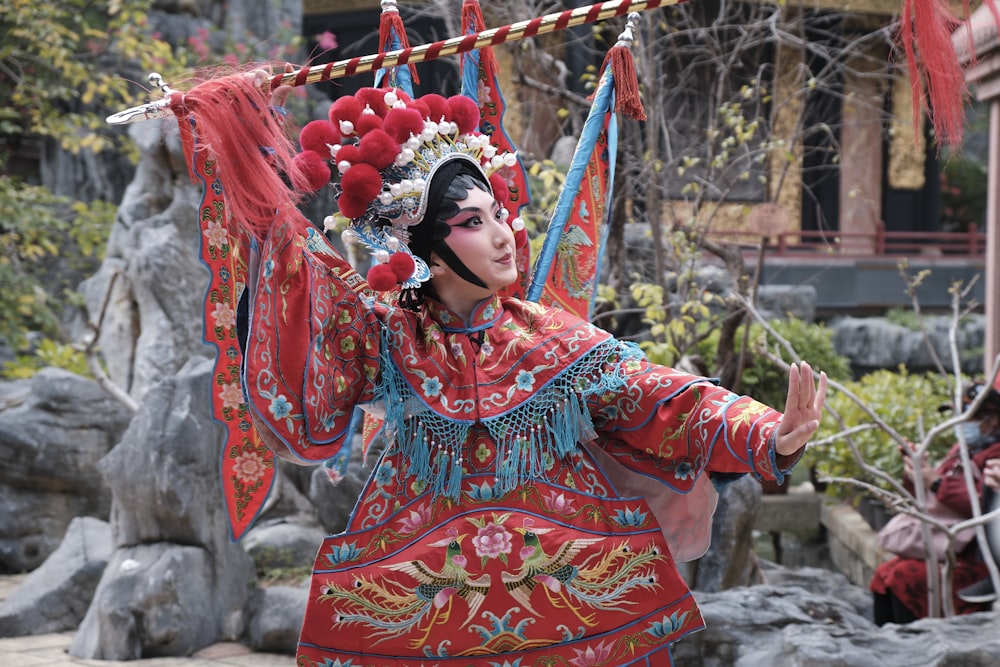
x=900 y=585
x=982 y=591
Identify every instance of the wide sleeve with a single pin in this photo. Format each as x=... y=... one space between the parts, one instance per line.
x=313 y=345
x=675 y=427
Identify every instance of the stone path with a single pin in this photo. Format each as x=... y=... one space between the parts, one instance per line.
x=50 y=650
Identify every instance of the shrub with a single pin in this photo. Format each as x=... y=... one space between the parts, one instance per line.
x=909 y=403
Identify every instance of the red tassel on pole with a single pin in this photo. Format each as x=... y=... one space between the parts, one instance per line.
x=390 y=24
x=472 y=22
x=627 y=98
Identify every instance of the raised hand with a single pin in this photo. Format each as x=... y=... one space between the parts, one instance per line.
x=803 y=409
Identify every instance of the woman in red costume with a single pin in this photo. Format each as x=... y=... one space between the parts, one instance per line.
x=540 y=479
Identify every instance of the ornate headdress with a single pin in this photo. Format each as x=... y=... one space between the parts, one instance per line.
x=386 y=149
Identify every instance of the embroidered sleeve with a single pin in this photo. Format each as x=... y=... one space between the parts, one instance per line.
x=312 y=353
x=676 y=426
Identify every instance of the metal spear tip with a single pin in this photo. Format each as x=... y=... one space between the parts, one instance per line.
x=151 y=111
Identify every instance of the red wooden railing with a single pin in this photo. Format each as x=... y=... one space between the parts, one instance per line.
x=807 y=244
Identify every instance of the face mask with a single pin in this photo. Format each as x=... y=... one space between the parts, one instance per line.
x=971 y=432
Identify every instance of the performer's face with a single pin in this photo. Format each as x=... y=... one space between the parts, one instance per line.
x=482 y=242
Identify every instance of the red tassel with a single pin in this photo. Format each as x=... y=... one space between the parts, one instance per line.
x=250 y=146
x=935 y=74
x=627 y=99
x=391 y=22
x=472 y=22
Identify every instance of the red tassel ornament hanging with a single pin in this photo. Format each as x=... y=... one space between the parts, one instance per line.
x=391 y=23
x=627 y=99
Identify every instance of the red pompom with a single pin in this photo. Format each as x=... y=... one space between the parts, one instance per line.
x=362 y=182
x=345 y=108
x=521 y=238
x=464 y=113
x=381 y=278
x=401 y=123
x=378 y=149
x=352 y=207
x=317 y=135
x=367 y=123
x=350 y=153
x=374 y=98
x=425 y=111
x=310 y=172
x=437 y=106
x=501 y=192
x=402 y=266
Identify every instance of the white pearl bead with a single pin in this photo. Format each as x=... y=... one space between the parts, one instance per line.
x=368 y=111
x=380 y=256
x=407 y=185
x=392 y=243
x=346 y=127
x=510 y=159
x=385 y=198
x=343 y=166
x=390 y=98
x=395 y=189
x=407 y=155
x=489 y=150
x=420 y=184
x=496 y=161
x=412 y=143
x=517 y=224
x=328 y=223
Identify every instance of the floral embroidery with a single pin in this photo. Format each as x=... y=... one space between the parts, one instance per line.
x=483 y=452
x=231 y=396
x=416 y=519
x=525 y=380
x=385 y=474
x=593 y=656
x=492 y=541
x=341 y=553
x=431 y=386
x=668 y=625
x=481 y=492
x=216 y=234
x=224 y=316
x=486 y=349
x=630 y=517
x=684 y=470
x=280 y=407
x=249 y=466
x=557 y=503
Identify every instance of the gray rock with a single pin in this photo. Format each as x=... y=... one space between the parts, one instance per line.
x=176 y=583
x=789 y=626
x=51 y=439
x=277 y=619
x=875 y=342
x=787 y=301
x=335 y=500
x=54 y=597
x=283 y=545
x=158 y=599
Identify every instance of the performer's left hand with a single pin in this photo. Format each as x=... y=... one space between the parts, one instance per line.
x=803 y=409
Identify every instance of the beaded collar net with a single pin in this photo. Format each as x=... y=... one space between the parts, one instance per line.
x=386 y=149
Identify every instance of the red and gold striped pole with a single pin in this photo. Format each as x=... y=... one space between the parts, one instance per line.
x=494 y=36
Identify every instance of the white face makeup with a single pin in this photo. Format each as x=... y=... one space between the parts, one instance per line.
x=484 y=244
